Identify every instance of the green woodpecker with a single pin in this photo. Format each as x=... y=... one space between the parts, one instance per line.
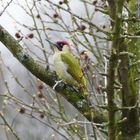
x=68 y=68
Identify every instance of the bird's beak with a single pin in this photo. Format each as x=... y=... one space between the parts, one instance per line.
x=54 y=45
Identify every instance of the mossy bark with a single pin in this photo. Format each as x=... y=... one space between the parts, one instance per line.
x=128 y=72
x=116 y=42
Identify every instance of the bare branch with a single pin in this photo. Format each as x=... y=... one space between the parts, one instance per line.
x=8 y=4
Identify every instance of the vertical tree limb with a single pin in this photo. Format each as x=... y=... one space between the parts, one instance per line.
x=117 y=17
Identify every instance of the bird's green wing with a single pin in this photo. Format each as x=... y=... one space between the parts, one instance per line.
x=74 y=68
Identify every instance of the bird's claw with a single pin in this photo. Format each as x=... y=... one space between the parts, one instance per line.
x=56 y=83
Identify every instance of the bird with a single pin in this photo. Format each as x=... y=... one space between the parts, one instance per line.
x=67 y=67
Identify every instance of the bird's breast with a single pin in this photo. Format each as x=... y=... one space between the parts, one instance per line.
x=61 y=69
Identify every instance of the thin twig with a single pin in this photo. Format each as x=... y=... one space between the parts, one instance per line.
x=8 y=4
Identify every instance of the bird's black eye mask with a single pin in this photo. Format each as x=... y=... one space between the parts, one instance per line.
x=60 y=45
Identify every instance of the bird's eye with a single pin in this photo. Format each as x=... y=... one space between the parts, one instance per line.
x=61 y=44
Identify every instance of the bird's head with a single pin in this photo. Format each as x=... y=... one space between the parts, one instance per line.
x=60 y=45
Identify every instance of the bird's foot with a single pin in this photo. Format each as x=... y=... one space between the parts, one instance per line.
x=56 y=83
